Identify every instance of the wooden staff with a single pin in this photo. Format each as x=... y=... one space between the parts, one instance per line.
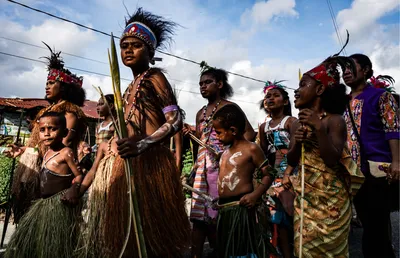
x=205 y=196
x=302 y=195
x=194 y=138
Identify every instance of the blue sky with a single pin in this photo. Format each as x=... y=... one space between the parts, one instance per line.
x=264 y=39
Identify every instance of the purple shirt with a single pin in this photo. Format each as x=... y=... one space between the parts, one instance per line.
x=375 y=113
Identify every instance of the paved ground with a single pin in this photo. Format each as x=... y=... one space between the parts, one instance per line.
x=355 y=238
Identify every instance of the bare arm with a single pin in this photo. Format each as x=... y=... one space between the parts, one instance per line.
x=332 y=138
x=129 y=147
x=178 y=150
x=294 y=153
x=70 y=160
x=72 y=122
x=87 y=181
x=258 y=158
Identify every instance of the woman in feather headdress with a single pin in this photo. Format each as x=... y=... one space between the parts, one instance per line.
x=152 y=117
x=65 y=94
x=328 y=166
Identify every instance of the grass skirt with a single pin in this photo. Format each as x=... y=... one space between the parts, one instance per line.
x=48 y=229
x=25 y=188
x=93 y=242
x=161 y=203
x=243 y=232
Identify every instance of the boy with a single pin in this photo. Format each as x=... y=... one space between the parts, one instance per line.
x=48 y=228
x=239 y=232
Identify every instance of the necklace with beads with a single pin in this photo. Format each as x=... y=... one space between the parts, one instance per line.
x=207 y=120
x=134 y=101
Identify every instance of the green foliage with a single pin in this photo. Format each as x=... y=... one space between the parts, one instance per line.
x=187 y=162
x=5 y=170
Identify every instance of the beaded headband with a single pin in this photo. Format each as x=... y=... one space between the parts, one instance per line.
x=58 y=75
x=140 y=31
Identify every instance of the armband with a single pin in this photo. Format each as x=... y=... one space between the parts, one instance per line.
x=170 y=109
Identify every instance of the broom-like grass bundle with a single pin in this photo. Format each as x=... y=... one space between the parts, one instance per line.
x=121 y=126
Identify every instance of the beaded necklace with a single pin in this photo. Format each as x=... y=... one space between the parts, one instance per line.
x=207 y=120
x=139 y=85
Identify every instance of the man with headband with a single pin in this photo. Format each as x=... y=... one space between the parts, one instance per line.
x=152 y=117
x=65 y=94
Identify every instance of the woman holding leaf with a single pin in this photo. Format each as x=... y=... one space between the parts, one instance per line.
x=152 y=117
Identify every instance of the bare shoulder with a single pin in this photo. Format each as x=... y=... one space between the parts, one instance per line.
x=67 y=152
x=335 y=120
x=289 y=122
x=159 y=80
x=254 y=147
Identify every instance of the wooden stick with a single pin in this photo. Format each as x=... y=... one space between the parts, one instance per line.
x=203 y=144
x=205 y=196
x=302 y=202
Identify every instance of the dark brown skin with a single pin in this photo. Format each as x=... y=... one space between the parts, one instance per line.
x=178 y=139
x=357 y=84
x=51 y=136
x=210 y=89
x=136 y=55
x=331 y=131
x=251 y=158
x=52 y=93
x=101 y=152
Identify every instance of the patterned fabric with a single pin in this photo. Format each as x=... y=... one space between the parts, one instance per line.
x=278 y=139
x=388 y=111
x=327 y=207
x=207 y=170
x=104 y=135
x=356 y=107
x=376 y=116
x=326 y=74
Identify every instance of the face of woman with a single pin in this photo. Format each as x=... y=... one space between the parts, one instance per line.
x=53 y=90
x=134 y=52
x=306 y=93
x=102 y=108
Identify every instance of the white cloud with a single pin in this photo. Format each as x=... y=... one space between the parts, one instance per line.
x=378 y=41
x=263 y=12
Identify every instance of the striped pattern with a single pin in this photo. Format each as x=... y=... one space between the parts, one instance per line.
x=327 y=206
x=207 y=170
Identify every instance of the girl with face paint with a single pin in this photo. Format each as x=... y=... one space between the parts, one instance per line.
x=328 y=167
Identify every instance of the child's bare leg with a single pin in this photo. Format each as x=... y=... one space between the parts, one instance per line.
x=199 y=233
x=284 y=242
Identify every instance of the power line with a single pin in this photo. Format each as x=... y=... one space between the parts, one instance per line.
x=69 y=54
x=105 y=75
x=332 y=13
x=90 y=59
x=107 y=34
x=81 y=57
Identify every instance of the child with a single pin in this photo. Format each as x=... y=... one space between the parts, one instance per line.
x=274 y=140
x=321 y=128
x=240 y=233
x=95 y=243
x=49 y=228
x=105 y=130
x=215 y=88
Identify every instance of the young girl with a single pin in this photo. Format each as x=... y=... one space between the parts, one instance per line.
x=321 y=128
x=274 y=140
x=105 y=130
x=95 y=243
x=49 y=229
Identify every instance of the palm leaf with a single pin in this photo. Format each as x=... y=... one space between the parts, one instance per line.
x=133 y=202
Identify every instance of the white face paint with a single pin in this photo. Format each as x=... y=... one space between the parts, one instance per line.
x=231 y=180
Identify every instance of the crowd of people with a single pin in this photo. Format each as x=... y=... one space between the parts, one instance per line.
x=289 y=190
